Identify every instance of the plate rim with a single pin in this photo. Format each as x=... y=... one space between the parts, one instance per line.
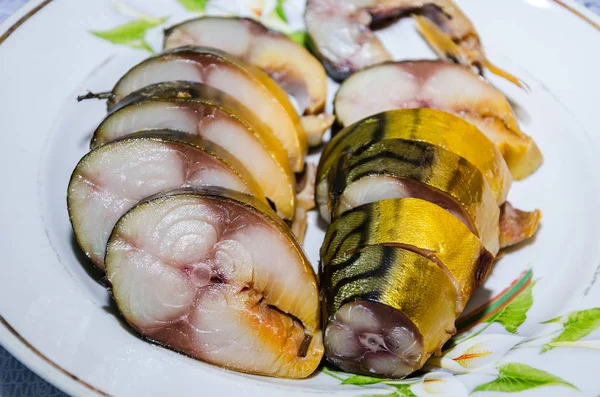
x=23 y=350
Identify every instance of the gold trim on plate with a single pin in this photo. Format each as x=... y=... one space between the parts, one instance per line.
x=24 y=19
x=47 y=360
x=578 y=13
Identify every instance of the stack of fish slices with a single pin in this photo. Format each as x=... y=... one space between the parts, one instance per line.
x=414 y=197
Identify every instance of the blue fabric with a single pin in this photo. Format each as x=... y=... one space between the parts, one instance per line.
x=15 y=379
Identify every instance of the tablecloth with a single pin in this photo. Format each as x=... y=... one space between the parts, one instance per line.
x=15 y=379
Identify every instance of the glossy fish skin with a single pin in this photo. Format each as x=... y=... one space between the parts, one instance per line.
x=289 y=64
x=426 y=171
x=111 y=179
x=248 y=84
x=188 y=271
x=210 y=113
x=422 y=125
x=386 y=310
x=444 y=86
x=419 y=226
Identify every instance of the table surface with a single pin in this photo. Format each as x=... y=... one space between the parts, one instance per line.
x=15 y=379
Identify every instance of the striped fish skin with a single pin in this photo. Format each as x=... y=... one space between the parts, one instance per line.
x=386 y=310
x=417 y=225
x=445 y=86
x=111 y=179
x=425 y=171
x=248 y=84
x=423 y=125
x=189 y=272
x=210 y=113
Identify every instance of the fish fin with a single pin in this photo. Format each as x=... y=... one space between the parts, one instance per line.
x=444 y=46
x=438 y=40
x=516 y=225
x=505 y=75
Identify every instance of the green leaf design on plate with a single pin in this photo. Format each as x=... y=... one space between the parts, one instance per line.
x=515 y=377
x=280 y=11
x=299 y=36
x=515 y=313
x=404 y=391
x=194 y=5
x=361 y=380
x=553 y=320
x=131 y=34
x=577 y=325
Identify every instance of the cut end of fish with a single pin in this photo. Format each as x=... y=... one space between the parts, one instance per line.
x=204 y=111
x=248 y=84
x=341 y=38
x=443 y=86
x=387 y=308
x=188 y=271
x=373 y=339
x=291 y=66
x=113 y=178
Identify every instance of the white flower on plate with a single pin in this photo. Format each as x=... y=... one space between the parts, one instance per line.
x=475 y=353
x=440 y=384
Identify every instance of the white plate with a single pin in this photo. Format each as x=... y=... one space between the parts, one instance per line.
x=56 y=318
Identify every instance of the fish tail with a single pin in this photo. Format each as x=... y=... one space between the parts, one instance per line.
x=505 y=75
x=445 y=46
x=438 y=40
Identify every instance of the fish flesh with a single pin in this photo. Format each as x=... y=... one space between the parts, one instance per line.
x=190 y=271
x=422 y=125
x=341 y=33
x=444 y=86
x=248 y=84
x=387 y=310
x=215 y=116
x=288 y=63
x=398 y=168
x=113 y=178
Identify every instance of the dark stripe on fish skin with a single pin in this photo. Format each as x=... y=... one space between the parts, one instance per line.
x=387 y=260
x=363 y=148
x=426 y=160
x=456 y=176
x=337 y=180
x=380 y=129
x=344 y=133
x=357 y=230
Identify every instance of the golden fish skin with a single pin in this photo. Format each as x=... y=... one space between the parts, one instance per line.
x=425 y=125
x=444 y=86
x=442 y=177
x=417 y=225
x=386 y=310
